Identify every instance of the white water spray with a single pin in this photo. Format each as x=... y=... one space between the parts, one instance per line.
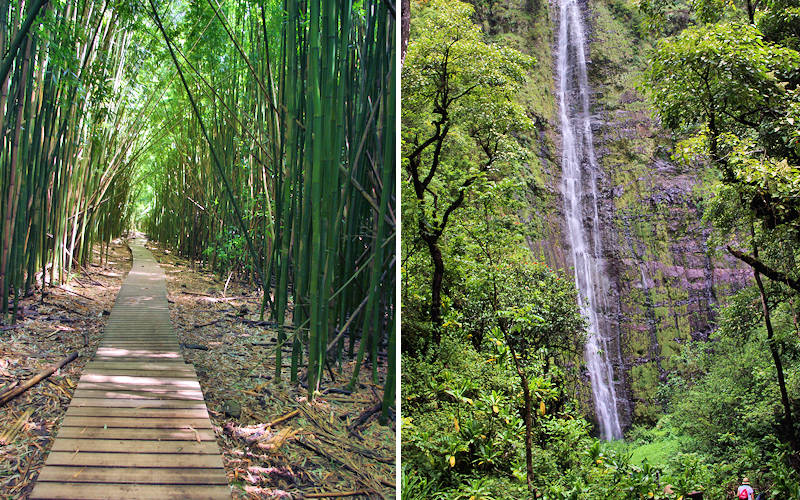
x=579 y=162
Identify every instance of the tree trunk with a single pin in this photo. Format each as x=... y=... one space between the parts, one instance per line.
x=526 y=393
x=528 y=417
x=788 y=419
x=436 y=284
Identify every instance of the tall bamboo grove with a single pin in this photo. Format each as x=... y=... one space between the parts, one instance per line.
x=283 y=173
x=265 y=130
x=65 y=157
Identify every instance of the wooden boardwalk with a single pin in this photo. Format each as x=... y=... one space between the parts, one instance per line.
x=137 y=425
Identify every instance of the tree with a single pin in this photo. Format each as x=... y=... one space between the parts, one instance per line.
x=533 y=308
x=538 y=315
x=735 y=95
x=459 y=122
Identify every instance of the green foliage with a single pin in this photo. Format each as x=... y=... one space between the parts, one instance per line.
x=463 y=428
x=453 y=76
x=729 y=92
x=228 y=252
x=460 y=123
x=781 y=23
x=717 y=76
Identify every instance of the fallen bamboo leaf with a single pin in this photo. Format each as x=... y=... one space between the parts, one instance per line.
x=196 y=434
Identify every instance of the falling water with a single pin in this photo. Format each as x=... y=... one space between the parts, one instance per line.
x=579 y=162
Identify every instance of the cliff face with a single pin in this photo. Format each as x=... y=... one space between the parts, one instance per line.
x=664 y=280
x=667 y=280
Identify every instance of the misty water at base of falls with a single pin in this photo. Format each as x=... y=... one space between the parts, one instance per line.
x=579 y=187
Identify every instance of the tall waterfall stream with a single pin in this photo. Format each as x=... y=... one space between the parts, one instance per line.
x=579 y=187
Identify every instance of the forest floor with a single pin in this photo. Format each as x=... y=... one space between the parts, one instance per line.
x=274 y=443
x=70 y=318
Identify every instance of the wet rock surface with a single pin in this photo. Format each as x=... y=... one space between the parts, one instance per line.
x=667 y=278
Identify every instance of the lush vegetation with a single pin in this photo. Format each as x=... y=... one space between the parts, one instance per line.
x=256 y=138
x=69 y=138
x=494 y=399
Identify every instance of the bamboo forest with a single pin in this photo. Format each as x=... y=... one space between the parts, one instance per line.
x=599 y=246
x=197 y=248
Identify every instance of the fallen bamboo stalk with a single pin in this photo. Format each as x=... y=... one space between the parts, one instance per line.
x=207 y=324
x=361 y=420
x=8 y=388
x=321 y=452
x=8 y=396
x=283 y=418
x=335 y=494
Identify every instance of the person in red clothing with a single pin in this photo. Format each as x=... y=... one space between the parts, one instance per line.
x=745 y=491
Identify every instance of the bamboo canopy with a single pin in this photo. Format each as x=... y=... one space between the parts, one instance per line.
x=256 y=138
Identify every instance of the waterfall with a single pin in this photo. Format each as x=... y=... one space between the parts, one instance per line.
x=579 y=187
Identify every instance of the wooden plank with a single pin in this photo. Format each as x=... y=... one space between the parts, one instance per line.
x=137 y=354
x=152 y=393
x=119 y=327
x=161 y=344
x=90 y=491
x=137 y=380
x=143 y=475
x=139 y=365
x=100 y=411
x=155 y=387
x=140 y=359
x=133 y=323
x=160 y=339
x=116 y=332
x=143 y=434
x=125 y=368
x=124 y=320
x=129 y=318
x=149 y=353
x=180 y=370
x=148 y=342
x=173 y=347
x=141 y=423
x=157 y=341
x=143 y=345
x=135 y=446
x=135 y=403
x=92 y=458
